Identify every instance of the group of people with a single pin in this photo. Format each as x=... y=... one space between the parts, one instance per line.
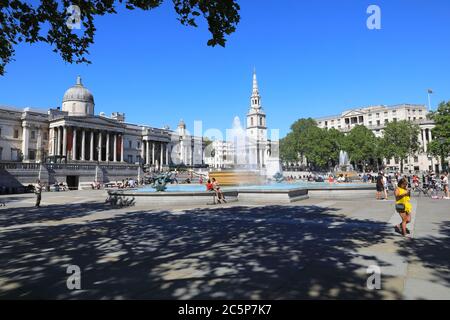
x=213 y=186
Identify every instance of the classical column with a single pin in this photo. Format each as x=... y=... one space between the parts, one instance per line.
x=39 y=145
x=83 y=145
x=430 y=137
x=60 y=141
x=153 y=153
x=115 y=148
x=162 y=155
x=53 y=141
x=25 y=138
x=122 y=141
x=142 y=151
x=424 y=140
x=167 y=154
x=91 y=147
x=107 y=146
x=99 y=146
x=147 y=161
x=64 y=141
x=74 y=144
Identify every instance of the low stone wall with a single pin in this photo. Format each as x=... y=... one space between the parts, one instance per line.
x=273 y=196
x=342 y=193
x=17 y=174
x=179 y=198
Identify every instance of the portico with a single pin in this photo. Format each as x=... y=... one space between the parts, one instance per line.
x=89 y=140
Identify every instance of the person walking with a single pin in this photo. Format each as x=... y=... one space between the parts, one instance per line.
x=445 y=185
x=380 y=186
x=385 y=186
x=403 y=206
x=38 y=192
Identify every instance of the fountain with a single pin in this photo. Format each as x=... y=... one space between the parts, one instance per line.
x=244 y=172
x=345 y=167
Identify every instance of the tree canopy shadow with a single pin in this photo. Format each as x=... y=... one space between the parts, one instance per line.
x=10 y=216
x=433 y=252
x=271 y=252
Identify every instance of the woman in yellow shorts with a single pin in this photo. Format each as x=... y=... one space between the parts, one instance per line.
x=403 y=205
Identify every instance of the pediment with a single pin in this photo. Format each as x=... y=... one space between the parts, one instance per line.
x=352 y=113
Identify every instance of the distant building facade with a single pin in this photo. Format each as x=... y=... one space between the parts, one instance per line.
x=377 y=117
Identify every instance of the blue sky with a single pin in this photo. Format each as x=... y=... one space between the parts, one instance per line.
x=313 y=58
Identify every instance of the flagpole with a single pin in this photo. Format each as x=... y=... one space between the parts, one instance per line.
x=429 y=99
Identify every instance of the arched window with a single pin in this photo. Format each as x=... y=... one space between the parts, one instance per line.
x=260 y=121
x=251 y=121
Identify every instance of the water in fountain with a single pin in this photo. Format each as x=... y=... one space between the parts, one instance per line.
x=344 y=162
x=245 y=169
x=239 y=141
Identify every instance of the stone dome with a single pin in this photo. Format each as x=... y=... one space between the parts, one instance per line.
x=78 y=100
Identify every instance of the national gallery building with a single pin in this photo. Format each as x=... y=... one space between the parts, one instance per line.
x=72 y=139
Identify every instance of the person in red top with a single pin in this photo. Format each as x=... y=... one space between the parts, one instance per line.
x=209 y=186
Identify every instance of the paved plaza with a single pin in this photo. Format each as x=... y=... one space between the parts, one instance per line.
x=313 y=249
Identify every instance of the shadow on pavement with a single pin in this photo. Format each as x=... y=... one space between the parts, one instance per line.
x=272 y=252
x=433 y=252
x=57 y=212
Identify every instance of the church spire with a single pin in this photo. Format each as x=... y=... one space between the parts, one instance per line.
x=256 y=98
x=255 y=84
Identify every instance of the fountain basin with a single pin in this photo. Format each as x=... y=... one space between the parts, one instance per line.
x=237 y=178
x=174 y=198
x=277 y=193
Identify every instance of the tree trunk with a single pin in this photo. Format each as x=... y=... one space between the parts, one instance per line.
x=401 y=165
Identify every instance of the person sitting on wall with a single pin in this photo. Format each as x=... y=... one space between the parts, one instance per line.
x=219 y=192
x=209 y=186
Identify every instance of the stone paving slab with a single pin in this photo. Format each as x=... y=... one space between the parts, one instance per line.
x=313 y=249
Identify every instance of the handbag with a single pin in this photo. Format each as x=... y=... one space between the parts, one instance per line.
x=400 y=207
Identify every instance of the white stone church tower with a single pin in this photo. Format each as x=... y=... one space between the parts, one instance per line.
x=257 y=129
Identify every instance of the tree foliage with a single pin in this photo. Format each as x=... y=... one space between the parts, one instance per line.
x=440 y=146
x=400 y=140
x=47 y=22
x=360 y=143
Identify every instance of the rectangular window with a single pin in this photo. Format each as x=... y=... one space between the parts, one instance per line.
x=388 y=161
x=14 y=154
x=0 y=132
x=370 y=123
x=33 y=134
x=16 y=134
x=32 y=154
x=130 y=144
x=1 y=153
x=138 y=159
x=130 y=158
x=138 y=145
x=416 y=159
x=45 y=135
x=378 y=115
x=378 y=122
x=386 y=121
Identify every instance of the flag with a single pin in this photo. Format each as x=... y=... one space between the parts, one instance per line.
x=430 y=91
